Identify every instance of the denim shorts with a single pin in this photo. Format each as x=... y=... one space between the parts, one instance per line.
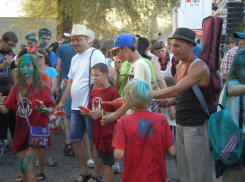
x=67 y=106
x=79 y=124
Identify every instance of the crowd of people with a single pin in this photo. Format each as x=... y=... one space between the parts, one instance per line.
x=130 y=99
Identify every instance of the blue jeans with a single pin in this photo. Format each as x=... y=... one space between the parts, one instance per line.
x=79 y=124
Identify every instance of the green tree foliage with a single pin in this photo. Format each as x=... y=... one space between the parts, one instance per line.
x=106 y=18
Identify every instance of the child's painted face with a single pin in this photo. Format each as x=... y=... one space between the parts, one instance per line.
x=26 y=68
x=98 y=77
x=44 y=40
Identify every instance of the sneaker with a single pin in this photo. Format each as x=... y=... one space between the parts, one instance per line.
x=116 y=170
x=3 y=144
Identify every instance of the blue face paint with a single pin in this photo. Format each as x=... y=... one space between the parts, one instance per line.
x=44 y=40
x=145 y=129
x=26 y=68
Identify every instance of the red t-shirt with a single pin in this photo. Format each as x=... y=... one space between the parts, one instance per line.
x=35 y=117
x=144 y=136
x=102 y=135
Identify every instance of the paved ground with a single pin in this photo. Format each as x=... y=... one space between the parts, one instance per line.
x=67 y=168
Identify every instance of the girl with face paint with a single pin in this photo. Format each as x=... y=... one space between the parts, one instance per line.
x=235 y=89
x=30 y=86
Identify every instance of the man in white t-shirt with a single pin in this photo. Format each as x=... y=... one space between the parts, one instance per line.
x=125 y=49
x=78 y=88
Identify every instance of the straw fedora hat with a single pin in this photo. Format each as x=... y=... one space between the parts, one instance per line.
x=78 y=29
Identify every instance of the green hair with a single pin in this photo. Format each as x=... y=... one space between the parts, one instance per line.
x=37 y=79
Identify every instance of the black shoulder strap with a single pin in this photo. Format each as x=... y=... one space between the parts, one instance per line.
x=89 y=79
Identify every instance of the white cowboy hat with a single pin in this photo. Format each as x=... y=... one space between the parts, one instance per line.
x=78 y=29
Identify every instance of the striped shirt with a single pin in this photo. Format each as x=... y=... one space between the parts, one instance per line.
x=227 y=60
x=164 y=65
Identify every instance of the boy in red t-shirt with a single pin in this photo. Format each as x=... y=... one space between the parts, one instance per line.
x=142 y=137
x=102 y=134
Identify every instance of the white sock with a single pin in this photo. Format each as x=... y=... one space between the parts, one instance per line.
x=117 y=165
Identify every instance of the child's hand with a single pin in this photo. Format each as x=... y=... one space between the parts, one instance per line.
x=42 y=109
x=118 y=66
x=109 y=118
x=95 y=114
x=84 y=113
x=2 y=99
x=162 y=103
x=172 y=111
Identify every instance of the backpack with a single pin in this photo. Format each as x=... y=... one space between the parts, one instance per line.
x=226 y=138
x=212 y=27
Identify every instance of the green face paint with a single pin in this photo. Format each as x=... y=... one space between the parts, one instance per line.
x=26 y=68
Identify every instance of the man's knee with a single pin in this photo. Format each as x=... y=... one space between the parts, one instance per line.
x=76 y=144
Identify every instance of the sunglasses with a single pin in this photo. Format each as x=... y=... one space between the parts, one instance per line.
x=32 y=40
x=40 y=57
x=159 y=43
x=10 y=45
x=45 y=32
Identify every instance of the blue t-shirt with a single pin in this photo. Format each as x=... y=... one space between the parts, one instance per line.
x=197 y=50
x=65 y=52
x=51 y=72
x=53 y=59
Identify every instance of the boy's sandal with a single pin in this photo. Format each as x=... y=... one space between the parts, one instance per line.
x=85 y=178
x=90 y=163
x=52 y=162
x=96 y=179
x=41 y=175
x=18 y=179
x=37 y=163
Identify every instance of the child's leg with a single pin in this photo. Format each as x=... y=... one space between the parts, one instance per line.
x=97 y=163
x=107 y=160
x=41 y=156
x=51 y=153
x=231 y=176
x=26 y=164
x=108 y=173
x=243 y=174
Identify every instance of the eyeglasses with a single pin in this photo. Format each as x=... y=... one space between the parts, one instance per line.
x=11 y=45
x=159 y=43
x=40 y=57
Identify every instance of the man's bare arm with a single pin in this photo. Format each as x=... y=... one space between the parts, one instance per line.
x=199 y=73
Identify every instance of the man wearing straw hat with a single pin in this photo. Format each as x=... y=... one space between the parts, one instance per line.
x=78 y=87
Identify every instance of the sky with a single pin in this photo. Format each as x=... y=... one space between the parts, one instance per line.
x=10 y=8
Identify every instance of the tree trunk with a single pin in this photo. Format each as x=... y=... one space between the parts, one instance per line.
x=64 y=21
